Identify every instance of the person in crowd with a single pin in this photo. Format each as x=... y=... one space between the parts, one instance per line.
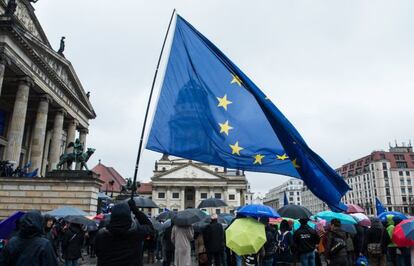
x=306 y=240
x=213 y=236
x=320 y=254
x=269 y=247
x=377 y=240
x=150 y=244
x=392 y=247
x=350 y=249
x=121 y=241
x=168 y=246
x=28 y=247
x=283 y=243
x=48 y=226
x=359 y=240
x=200 y=249
x=72 y=243
x=90 y=243
x=336 y=252
x=181 y=237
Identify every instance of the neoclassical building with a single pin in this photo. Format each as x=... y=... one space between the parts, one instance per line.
x=179 y=184
x=43 y=105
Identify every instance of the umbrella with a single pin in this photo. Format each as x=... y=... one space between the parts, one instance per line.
x=353 y=208
x=9 y=224
x=361 y=219
x=294 y=211
x=103 y=196
x=403 y=234
x=211 y=203
x=82 y=220
x=329 y=215
x=349 y=228
x=143 y=202
x=396 y=215
x=65 y=211
x=245 y=236
x=156 y=224
x=296 y=223
x=188 y=217
x=227 y=217
x=166 y=215
x=99 y=217
x=257 y=210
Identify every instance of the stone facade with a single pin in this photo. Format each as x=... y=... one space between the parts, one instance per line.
x=293 y=190
x=178 y=184
x=42 y=102
x=45 y=194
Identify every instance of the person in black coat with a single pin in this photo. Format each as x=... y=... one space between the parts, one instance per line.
x=28 y=247
x=213 y=236
x=121 y=242
x=72 y=243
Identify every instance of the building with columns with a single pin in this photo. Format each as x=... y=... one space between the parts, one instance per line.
x=43 y=105
x=179 y=184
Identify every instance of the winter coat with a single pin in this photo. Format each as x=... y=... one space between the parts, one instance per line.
x=120 y=243
x=28 y=247
x=213 y=236
x=269 y=246
x=181 y=238
x=377 y=234
x=332 y=234
x=305 y=239
x=72 y=242
x=285 y=238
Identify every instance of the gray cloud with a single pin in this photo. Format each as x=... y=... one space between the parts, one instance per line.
x=342 y=72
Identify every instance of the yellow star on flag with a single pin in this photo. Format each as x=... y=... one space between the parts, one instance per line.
x=223 y=102
x=295 y=164
x=236 y=79
x=225 y=127
x=235 y=149
x=258 y=159
x=283 y=157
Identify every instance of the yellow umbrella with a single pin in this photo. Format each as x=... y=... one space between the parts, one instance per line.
x=245 y=236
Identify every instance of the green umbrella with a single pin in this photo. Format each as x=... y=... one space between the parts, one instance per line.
x=329 y=215
x=245 y=236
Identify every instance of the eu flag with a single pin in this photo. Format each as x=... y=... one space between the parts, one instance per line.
x=210 y=111
x=380 y=208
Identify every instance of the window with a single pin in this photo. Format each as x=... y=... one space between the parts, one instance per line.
x=407 y=173
x=388 y=200
x=410 y=190
x=291 y=193
x=387 y=192
x=175 y=195
x=404 y=199
x=232 y=197
x=402 y=181
x=298 y=199
x=217 y=195
x=218 y=211
x=290 y=199
x=384 y=166
x=161 y=195
x=402 y=165
x=399 y=157
x=385 y=174
x=401 y=173
x=409 y=181
x=382 y=156
x=403 y=190
x=297 y=193
x=203 y=195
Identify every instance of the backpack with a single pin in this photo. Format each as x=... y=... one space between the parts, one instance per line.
x=375 y=249
x=282 y=244
x=338 y=243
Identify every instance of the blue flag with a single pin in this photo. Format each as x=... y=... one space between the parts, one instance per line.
x=380 y=208
x=285 y=199
x=210 y=111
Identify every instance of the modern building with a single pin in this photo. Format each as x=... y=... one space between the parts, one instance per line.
x=292 y=188
x=179 y=184
x=386 y=175
x=43 y=105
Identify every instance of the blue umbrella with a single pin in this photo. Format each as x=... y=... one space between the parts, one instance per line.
x=9 y=224
x=103 y=196
x=257 y=210
x=65 y=211
x=396 y=215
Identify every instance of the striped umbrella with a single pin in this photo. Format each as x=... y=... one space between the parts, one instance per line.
x=362 y=219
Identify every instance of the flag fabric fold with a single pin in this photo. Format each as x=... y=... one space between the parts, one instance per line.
x=210 y=111
x=285 y=199
x=380 y=208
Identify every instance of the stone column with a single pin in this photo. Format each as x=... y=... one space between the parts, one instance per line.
x=55 y=145
x=183 y=199
x=168 y=197
x=83 y=132
x=46 y=152
x=39 y=134
x=16 y=129
x=2 y=68
x=71 y=135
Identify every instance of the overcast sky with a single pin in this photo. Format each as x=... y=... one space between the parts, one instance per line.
x=341 y=71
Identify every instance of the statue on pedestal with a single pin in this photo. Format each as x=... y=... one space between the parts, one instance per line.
x=77 y=156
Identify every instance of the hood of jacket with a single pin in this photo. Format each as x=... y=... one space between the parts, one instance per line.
x=31 y=225
x=121 y=220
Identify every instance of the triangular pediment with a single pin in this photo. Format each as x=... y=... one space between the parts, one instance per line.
x=189 y=171
x=26 y=17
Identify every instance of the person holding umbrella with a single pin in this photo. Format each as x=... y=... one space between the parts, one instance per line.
x=72 y=242
x=376 y=243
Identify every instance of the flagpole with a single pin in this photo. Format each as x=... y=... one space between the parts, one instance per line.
x=148 y=106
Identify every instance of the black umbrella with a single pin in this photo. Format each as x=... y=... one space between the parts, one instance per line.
x=294 y=212
x=211 y=203
x=77 y=219
x=156 y=224
x=188 y=217
x=143 y=202
x=166 y=215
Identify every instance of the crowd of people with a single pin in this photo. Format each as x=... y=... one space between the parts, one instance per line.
x=122 y=240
